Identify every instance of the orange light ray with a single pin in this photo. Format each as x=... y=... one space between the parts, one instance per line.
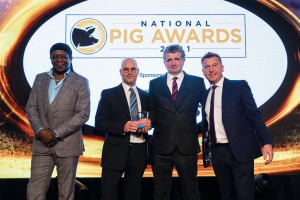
x=293 y=99
x=15 y=26
x=284 y=11
x=291 y=102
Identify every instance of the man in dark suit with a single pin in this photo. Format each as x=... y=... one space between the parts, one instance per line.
x=239 y=134
x=125 y=149
x=57 y=108
x=173 y=108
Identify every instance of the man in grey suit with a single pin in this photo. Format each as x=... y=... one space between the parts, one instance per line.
x=174 y=100
x=125 y=145
x=58 y=107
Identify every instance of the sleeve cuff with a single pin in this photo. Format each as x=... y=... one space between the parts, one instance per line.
x=56 y=133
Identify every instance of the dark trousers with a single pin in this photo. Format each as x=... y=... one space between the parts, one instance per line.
x=186 y=166
x=236 y=180
x=133 y=173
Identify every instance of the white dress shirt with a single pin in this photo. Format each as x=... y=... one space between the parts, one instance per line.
x=133 y=138
x=170 y=77
x=220 y=131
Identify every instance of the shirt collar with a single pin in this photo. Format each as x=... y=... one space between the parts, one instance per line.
x=220 y=83
x=127 y=87
x=50 y=72
x=179 y=76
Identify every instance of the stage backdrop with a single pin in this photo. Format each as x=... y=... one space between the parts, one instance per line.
x=258 y=40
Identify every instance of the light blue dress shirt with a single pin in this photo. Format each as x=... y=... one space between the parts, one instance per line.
x=53 y=87
x=53 y=90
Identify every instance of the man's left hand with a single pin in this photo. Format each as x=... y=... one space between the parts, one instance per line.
x=267 y=151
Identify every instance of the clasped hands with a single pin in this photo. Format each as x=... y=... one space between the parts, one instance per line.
x=48 y=137
x=132 y=126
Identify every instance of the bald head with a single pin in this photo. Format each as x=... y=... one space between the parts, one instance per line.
x=129 y=71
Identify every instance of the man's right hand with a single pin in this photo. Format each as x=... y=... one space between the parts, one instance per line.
x=48 y=137
x=131 y=126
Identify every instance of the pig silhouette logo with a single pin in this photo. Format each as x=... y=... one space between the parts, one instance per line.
x=84 y=37
x=88 y=36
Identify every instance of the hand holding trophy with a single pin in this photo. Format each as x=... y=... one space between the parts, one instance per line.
x=144 y=122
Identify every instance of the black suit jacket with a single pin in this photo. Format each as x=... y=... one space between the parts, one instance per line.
x=112 y=114
x=244 y=126
x=175 y=122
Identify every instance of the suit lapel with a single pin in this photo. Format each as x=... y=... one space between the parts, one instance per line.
x=63 y=92
x=121 y=96
x=143 y=99
x=164 y=87
x=205 y=97
x=225 y=94
x=203 y=104
x=184 y=90
x=44 y=88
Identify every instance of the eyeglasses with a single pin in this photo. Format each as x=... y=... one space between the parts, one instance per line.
x=132 y=70
x=57 y=57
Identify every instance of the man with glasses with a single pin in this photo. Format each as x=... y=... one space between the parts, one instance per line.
x=58 y=106
x=125 y=149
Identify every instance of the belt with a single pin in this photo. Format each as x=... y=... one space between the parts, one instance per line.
x=131 y=143
x=221 y=145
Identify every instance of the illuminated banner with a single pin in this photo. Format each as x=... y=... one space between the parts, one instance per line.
x=252 y=46
x=147 y=35
x=101 y=40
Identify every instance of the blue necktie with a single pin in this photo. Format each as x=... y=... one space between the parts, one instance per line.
x=133 y=105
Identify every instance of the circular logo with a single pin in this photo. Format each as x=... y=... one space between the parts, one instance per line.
x=88 y=36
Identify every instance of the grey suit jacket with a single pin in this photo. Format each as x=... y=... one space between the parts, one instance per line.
x=66 y=114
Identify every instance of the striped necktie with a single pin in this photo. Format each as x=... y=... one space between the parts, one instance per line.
x=174 y=88
x=133 y=105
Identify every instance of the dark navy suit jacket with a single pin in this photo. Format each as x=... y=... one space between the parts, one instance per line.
x=175 y=122
x=112 y=113
x=246 y=130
